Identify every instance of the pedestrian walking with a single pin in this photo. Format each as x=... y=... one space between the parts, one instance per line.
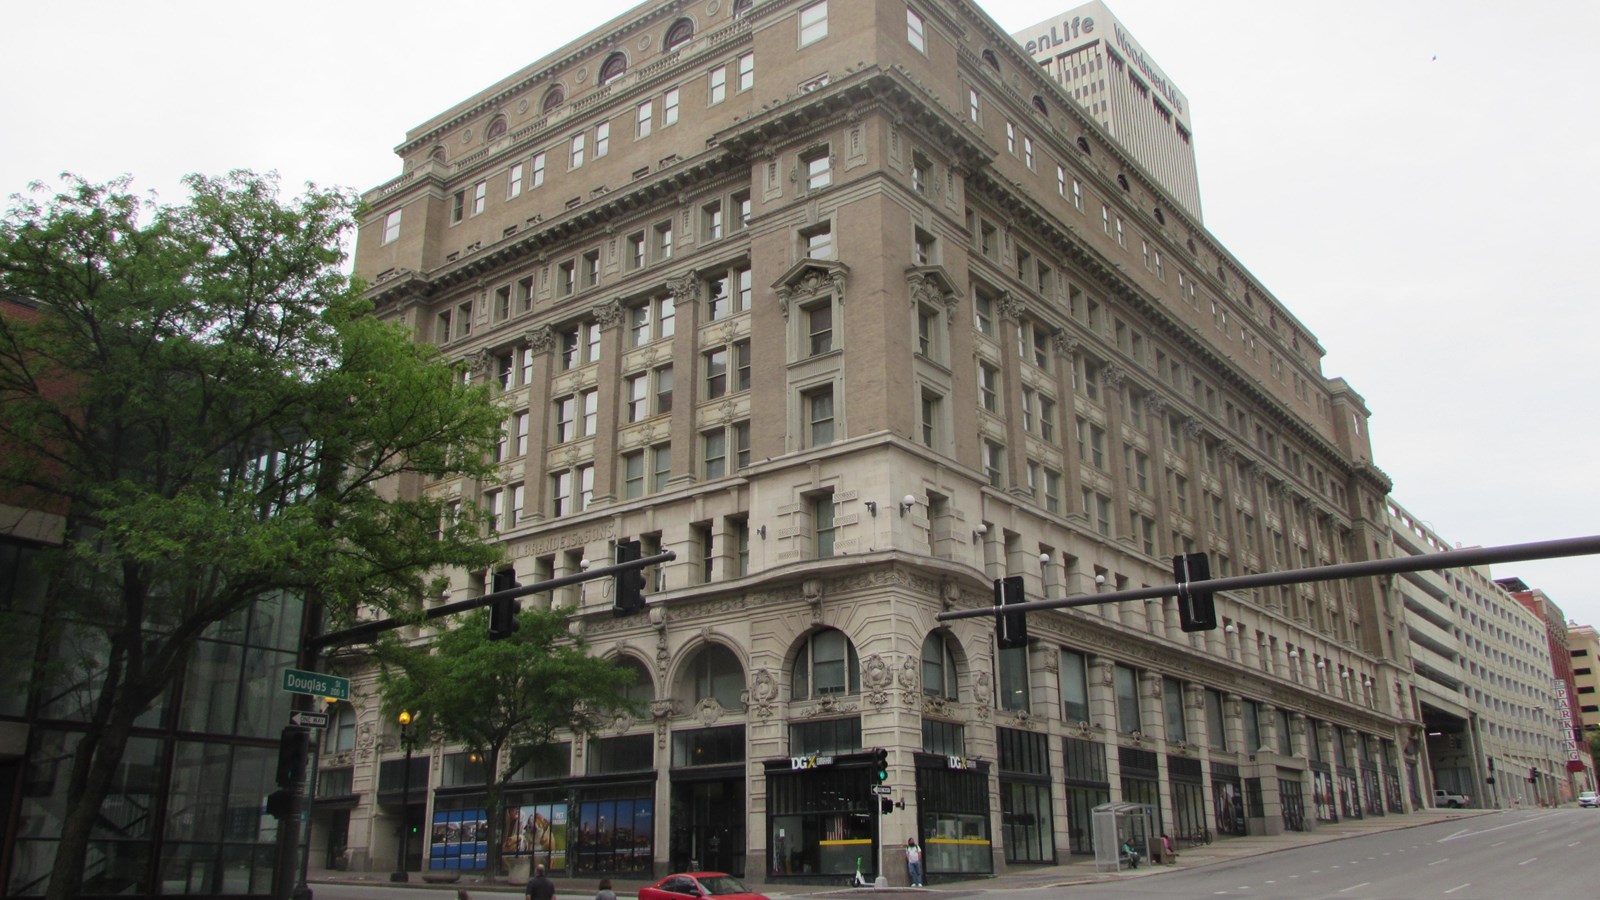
x=605 y=892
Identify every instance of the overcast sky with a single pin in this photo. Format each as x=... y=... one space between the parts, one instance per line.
x=1416 y=181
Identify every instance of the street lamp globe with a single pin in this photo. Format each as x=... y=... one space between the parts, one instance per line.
x=405 y=718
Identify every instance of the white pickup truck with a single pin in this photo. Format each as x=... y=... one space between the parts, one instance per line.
x=1450 y=799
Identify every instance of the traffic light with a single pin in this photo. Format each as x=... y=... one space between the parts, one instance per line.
x=294 y=749
x=881 y=764
x=1010 y=628
x=1197 y=610
x=627 y=587
x=503 y=613
x=280 y=804
x=885 y=805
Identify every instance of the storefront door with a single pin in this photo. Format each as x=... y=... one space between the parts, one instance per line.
x=708 y=826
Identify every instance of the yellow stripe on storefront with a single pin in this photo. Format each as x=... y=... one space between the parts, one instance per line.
x=977 y=841
x=842 y=843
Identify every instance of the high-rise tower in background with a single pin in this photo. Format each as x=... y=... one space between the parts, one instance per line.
x=1102 y=67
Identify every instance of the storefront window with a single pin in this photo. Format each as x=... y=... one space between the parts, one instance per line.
x=615 y=829
x=1087 y=788
x=460 y=834
x=1025 y=815
x=633 y=753
x=820 y=822
x=829 y=736
x=954 y=822
x=536 y=826
x=943 y=738
x=708 y=746
x=1188 y=797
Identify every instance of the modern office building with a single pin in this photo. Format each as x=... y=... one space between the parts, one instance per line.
x=1584 y=650
x=184 y=813
x=853 y=308
x=1574 y=769
x=1117 y=83
x=1483 y=676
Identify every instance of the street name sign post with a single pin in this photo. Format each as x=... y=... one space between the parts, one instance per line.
x=316 y=684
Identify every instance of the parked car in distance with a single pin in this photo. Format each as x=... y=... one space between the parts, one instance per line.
x=699 y=885
x=1589 y=798
x=1450 y=799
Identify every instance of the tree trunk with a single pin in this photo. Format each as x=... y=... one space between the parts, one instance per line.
x=94 y=766
x=493 y=790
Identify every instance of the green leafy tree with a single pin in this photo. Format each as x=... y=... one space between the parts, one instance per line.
x=206 y=397
x=503 y=700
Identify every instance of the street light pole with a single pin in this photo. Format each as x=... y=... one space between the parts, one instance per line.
x=400 y=873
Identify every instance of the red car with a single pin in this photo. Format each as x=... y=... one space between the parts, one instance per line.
x=699 y=884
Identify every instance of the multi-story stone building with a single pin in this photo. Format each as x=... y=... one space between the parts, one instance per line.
x=1483 y=676
x=1584 y=650
x=1101 y=66
x=1574 y=768
x=853 y=309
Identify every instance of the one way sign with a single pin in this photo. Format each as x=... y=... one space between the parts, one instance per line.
x=309 y=719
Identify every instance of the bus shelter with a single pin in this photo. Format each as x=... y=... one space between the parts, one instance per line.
x=1115 y=823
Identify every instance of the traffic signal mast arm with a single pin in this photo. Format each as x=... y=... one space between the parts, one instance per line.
x=1449 y=559
x=368 y=630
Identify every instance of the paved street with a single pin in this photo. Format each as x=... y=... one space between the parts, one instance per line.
x=1538 y=853
x=1459 y=855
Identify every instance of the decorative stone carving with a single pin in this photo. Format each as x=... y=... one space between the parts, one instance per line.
x=608 y=313
x=983 y=694
x=540 y=339
x=1065 y=344
x=709 y=711
x=830 y=706
x=478 y=363
x=909 y=673
x=663 y=709
x=1192 y=429
x=763 y=686
x=935 y=705
x=875 y=674
x=1011 y=308
x=685 y=288
x=1155 y=404
x=1114 y=376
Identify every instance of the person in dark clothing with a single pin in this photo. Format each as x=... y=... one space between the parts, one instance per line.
x=539 y=886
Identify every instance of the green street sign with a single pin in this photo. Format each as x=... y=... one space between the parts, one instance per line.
x=298 y=682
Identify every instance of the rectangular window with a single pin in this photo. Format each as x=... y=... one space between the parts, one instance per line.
x=561 y=493
x=711 y=221
x=747 y=71
x=589 y=409
x=602 y=139
x=1077 y=194
x=714 y=455
x=567 y=278
x=819 y=172
x=1052 y=491
x=741 y=366
x=1014 y=679
x=994 y=463
x=636 y=250
x=480 y=197
x=989 y=387
x=1011 y=138
x=643 y=118
x=983 y=314
x=818 y=405
x=972 y=104
x=663 y=401
x=519 y=432
x=822 y=524
x=458 y=206
x=740 y=208
x=819 y=241
x=514 y=182
x=661 y=467
x=1172 y=696
x=1127 y=690
x=566 y=416
x=663 y=233
x=715 y=364
x=591 y=268
x=819 y=327
x=669 y=107
x=741 y=444
x=1074 y=687
x=575 y=156
x=719 y=85
x=1027 y=151
x=914 y=35
x=638 y=400
x=538 y=170
x=391 y=227
x=525 y=295
x=931 y=409
x=1047 y=419
x=633 y=475
x=814 y=23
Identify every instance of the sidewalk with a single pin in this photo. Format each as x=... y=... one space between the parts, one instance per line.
x=1079 y=870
